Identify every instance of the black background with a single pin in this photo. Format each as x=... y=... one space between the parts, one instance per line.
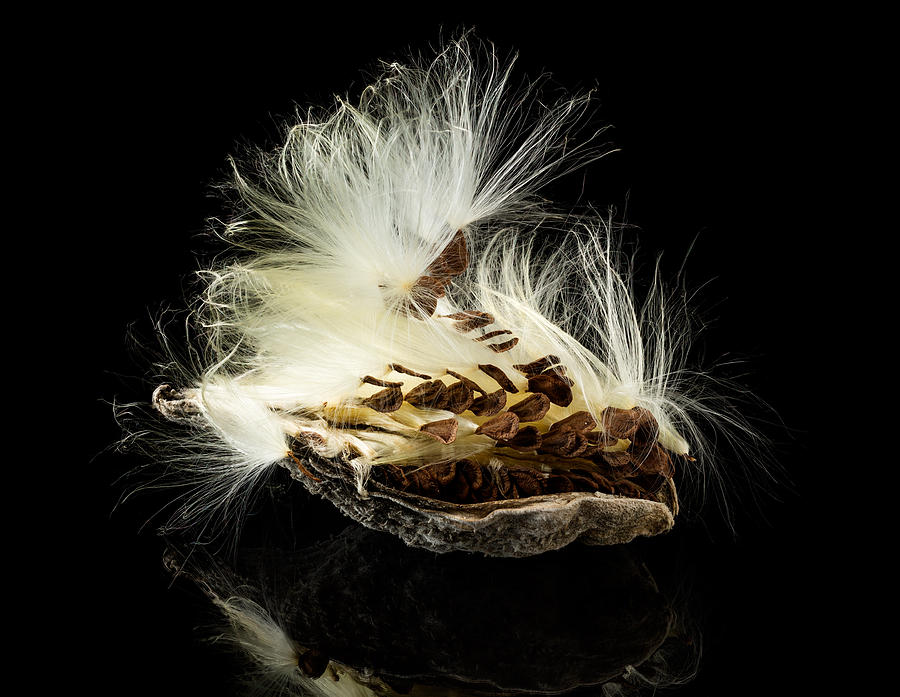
x=707 y=115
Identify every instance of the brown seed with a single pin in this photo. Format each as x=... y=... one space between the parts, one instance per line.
x=558 y=442
x=491 y=335
x=528 y=482
x=390 y=399
x=645 y=434
x=499 y=376
x=601 y=439
x=444 y=472
x=429 y=286
x=393 y=475
x=565 y=443
x=412 y=481
x=423 y=297
x=617 y=458
x=558 y=484
x=443 y=430
x=553 y=386
x=403 y=369
x=621 y=423
x=528 y=438
x=417 y=309
x=467 y=321
x=505 y=346
x=461 y=490
x=533 y=408
x=582 y=481
x=490 y=404
x=428 y=395
x=601 y=482
x=581 y=445
x=580 y=421
x=471 y=383
x=657 y=461
x=589 y=448
x=501 y=427
x=407 y=482
x=426 y=482
x=459 y=397
x=560 y=372
x=537 y=367
x=453 y=260
x=381 y=383
x=473 y=473
x=574 y=446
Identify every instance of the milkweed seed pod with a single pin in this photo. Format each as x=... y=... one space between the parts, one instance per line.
x=402 y=332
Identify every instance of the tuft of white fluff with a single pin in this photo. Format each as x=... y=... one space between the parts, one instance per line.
x=340 y=223
x=356 y=206
x=215 y=459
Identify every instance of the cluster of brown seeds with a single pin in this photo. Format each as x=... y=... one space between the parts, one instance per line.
x=580 y=457
x=432 y=286
x=468 y=481
x=547 y=388
x=475 y=319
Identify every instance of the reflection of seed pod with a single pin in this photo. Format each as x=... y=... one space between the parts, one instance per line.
x=321 y=609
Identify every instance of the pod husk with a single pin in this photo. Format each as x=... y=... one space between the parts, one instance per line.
x=504 y=528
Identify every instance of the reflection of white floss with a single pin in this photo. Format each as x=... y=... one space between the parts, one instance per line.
x=278 y=664
x=398 y=292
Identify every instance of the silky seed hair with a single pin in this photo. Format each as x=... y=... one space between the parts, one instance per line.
x=394 y=268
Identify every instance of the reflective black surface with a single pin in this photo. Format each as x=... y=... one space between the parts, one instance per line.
x=581 y=617
x=682 y=611
x=706 y=125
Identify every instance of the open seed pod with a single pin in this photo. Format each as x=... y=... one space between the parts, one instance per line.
x=487 y=483
x=408 y=339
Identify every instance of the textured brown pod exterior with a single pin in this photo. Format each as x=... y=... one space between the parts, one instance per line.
x=506 y=528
